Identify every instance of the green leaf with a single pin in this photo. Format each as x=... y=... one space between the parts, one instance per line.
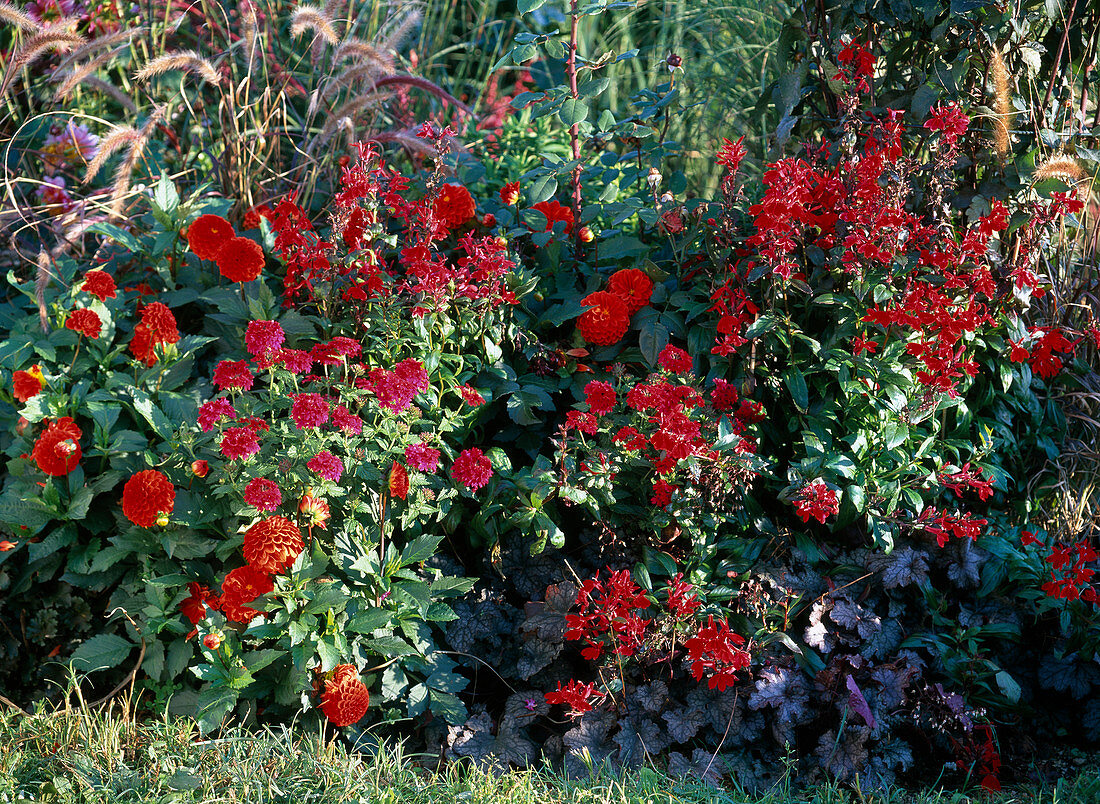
x=420 y=549
x=369 y=621
x=652 y=339
x=213 y=705
x=101 y=652
x=542 y=188
x=573 y=111
x=165 y=195
x=391 y=646
x=120 y=236
x=527 y=6
x=448 y=707
x=796 y=384
x=1008 y=686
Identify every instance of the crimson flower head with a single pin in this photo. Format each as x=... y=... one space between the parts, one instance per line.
x=398 y=481
x=210 y=413
x=717 y=650
x=28 y=384
x=816 y=500
x=207 y=234
x=194 y=606
x=472 y=468
x=674 y=359
x=240 y=442
x=326 y=465
x=147 y=497
x=633 y=287
x=314 y=510
x=509 y=194
x=85 y=321
x=346 y=698
x=606 y=319
x=600 y=397
x=57 y=450
x=309 y=411
x=263 y=494
x=948 y=119
x=471 y=396
x=422 y=457
x=263 y=336
x=240 y=259
x=731 y=154
x=100 y=284
x=724 y=396
x=581 y=421
x=233 y=374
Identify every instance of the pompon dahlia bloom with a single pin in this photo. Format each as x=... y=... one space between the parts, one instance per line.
x=600 y=397
x=472 y=469
x=674 y=359
x=454 y=205
x=240 y=442
x=263 y=336
x=309 y=410
x=509 y=194
x=210 y=413
x=240 y=259
x=207 y=234
x=85 y=321
x=346 y=698
x=241 y=586
x=605 y=321
x=272 y=544
x=27 y=384
x=326 y=465
x=346 y=420
x=633 y=287
x=160 y=322
x=253 y=216
x=554 y=212
x=422 y=457
x=57 y=450
x=263 y=494
x=147 y=496
x=100 y=284
x=233 y=374
x=816 y=500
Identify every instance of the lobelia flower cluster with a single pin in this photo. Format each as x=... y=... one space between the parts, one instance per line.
x=610 y=622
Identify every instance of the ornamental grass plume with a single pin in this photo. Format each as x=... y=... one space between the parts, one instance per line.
x=147 y=498
x=346 y=698
x=272 y=544
x=57 y=450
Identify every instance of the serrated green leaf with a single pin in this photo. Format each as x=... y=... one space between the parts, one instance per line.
x=101 y=652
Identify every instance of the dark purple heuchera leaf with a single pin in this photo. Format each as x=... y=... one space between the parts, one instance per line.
x=885 y=640
x=524 y=707
x=783 y=690
x=530 y=574
x=965 y=563
x=903 y=567
x=652 y=696
x=817 y=633
x=547 y=618
x=846 y=757
x=590 y=734
x=858 y=704
x=473 y=739
x=1068 y=674
x=536 y=655
x=639 y=739
x=684 y=722
x=894 y=681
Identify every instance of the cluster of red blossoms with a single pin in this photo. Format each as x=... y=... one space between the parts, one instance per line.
x=239 y=259
x=608 y=312
x=610 y=621
x=943 y=525
x=1070 y=560
x=816 y=500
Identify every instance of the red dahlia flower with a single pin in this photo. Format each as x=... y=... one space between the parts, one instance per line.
x=146 y=496
x=509 y=194
x=207 y=234
x=454 y=205
x=398 y=481
x=57 y=451
x=27 y=384
x=554 y=212
x=606 y=319
x=314 y=510
x=272 y=544
x=160 y=322
x=472 y=469
x=633 y=287
x=243 y=585
x=100 y=284
x=84 y=321
x=240 y=259
x=346 y=698
x=194 y=607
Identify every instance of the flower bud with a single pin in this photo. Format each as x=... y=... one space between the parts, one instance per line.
x=586 y=234
x=654 y=178
x=489 y=221
x=212 y=641
x=162 y=519
x=200 y=468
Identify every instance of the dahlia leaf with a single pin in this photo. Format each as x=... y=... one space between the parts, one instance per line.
x=420 y=549
x=447 y=706
x=101 y=652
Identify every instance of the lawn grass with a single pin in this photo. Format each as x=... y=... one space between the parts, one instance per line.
x=106 y=756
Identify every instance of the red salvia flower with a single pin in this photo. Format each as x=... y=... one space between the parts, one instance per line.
x=147 y=496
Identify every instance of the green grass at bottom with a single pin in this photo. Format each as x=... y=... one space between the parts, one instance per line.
x=85 y=757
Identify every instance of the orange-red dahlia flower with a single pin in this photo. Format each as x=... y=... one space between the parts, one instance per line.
x=57 y=451
x=509 y=194
x=142 y=346
x=633 y=287
x=241 y=586
x=100 y=284
x=554 y=212
x=240 y=259
x=207 y=234
x=454 y=205
x=399 y=481
x=159 y=321
x=85 y=321
x=27 y=384
x=314 y=510
x=146 y=496
x=272 y=544
x=346 y=698
x=606 y=320
x=253 y=216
